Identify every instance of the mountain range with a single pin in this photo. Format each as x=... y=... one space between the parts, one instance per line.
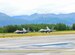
x=36 y=18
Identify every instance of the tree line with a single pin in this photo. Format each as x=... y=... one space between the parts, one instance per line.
x=36 y=27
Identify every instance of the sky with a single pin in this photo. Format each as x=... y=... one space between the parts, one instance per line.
x=28 y=7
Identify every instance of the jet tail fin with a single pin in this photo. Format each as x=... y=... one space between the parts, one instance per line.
x=47 y=28
x=24 y=29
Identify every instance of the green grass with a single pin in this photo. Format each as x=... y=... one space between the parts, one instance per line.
x=7 y=35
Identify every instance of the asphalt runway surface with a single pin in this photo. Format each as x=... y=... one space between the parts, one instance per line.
x=39 y=45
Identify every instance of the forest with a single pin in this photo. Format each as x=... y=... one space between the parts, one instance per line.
x=36 y=27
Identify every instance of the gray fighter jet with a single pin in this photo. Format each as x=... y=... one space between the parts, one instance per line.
x=47 y=30
x=21 y=31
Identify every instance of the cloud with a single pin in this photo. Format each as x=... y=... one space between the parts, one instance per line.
x=19 y=7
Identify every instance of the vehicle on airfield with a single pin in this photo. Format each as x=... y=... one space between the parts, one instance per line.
x=21 y=31
x=47 y=30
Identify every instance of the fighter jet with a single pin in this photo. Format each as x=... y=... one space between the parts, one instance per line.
x=21 y=31
x=47 y=30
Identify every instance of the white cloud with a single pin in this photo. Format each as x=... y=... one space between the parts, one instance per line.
x=19 y=7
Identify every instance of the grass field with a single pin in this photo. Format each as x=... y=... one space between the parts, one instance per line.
x=5 y=35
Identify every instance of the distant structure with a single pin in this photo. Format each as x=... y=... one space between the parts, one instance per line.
x=47 y=30
x=21 y=31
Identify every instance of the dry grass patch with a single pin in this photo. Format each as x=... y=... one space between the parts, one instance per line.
x=7 y=35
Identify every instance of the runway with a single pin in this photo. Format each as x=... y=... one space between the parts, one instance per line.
x=38 y=45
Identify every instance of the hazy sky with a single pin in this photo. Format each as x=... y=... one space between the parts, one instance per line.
x=21 y=7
